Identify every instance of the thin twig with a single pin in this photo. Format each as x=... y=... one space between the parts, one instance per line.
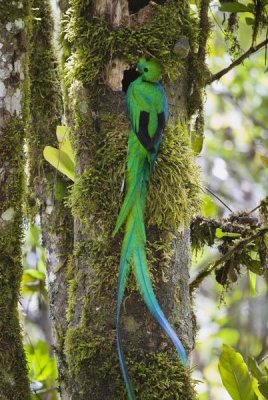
x=215 y=19
x=218 y=198
x=254 y=209
x=210 y=268
x=238 y=61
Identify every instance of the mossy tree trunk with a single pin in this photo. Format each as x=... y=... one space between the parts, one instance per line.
x=47 y=188
x=103 y=39
x=13 y=371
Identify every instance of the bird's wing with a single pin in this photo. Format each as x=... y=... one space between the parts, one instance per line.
x=144 y=103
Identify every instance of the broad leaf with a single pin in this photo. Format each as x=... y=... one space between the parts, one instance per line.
x=59 y=160
x=42 y=367
x=263 y=388
x=33 y=281
x=255 y=266
x=63 y=136
x=235 y=375
x=233 y=7
x=254 y=368
x=208 y=206
x=197 y=142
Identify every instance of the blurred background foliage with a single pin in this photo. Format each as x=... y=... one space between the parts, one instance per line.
x=234 y=164
x=234 y=167
x=37 y=328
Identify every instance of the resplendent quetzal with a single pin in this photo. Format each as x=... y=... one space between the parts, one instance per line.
x=148 y=112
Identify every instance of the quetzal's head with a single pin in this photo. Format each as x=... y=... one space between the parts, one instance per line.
x=150 y=70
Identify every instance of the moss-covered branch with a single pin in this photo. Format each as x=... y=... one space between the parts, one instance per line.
x=47 y=188
x=241 y=239
x=238 y=250
x=13 y=371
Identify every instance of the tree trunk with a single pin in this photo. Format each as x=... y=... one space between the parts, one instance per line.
x=13 y=371
x=104 y=40
x=48 y=187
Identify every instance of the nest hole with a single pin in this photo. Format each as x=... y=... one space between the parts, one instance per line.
x=129 y=75
x=136 y=5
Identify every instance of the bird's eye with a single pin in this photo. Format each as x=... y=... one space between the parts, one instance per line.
x=145 y=69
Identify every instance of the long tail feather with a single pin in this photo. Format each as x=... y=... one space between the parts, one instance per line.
x=124 y=270
x=143 y=277
x=131 y=196
x=146 y=289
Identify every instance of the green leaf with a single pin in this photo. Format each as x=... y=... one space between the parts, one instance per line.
x=235 y=375
x=32 y=281
x=252 y=278
x=197 y=142
x=220 y=234
x=33 y=274
x=263 y=388
x=254 y=266
x=254 y=368
x=233 y=7
x=42 y=367
x=59 y=160
x=63 y=136
x=208 y=206
x=34 y=235
x=227 y=335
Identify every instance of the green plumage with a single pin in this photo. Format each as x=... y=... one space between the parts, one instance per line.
x=147 y=108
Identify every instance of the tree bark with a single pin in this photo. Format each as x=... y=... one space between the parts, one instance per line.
x=99 y=125
x=13 y=371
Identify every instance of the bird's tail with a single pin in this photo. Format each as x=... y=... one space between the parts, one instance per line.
x=132 y=211
x=133 y=252
x=124 y=269
x=146 y=289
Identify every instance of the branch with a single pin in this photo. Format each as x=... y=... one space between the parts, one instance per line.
x=238 y=61
x=210 y=268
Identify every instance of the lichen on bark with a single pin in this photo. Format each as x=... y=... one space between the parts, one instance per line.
x=13 y=370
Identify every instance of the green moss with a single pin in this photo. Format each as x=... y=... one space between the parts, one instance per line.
x=94 y=366
x=96 y=193
x=203 y=232
x=45 y=103
x=96 y=196
x=13 y=372
x=72 y=286
x=175 y=183
x=47 y=187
